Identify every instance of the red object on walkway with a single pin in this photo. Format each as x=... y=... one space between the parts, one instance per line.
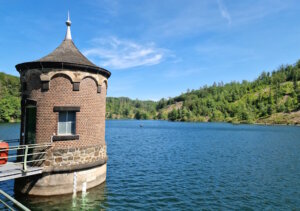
x=3 y=152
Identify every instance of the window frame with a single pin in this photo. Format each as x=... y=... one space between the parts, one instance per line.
x=68 y=124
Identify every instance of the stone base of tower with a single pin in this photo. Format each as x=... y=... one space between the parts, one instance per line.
x=61 y=183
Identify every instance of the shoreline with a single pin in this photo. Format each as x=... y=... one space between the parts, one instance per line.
x=233 y=123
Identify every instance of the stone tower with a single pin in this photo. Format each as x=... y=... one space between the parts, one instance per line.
x=63 y=103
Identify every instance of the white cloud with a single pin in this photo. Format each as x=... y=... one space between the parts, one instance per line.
x=224 y=12
x=121 y=54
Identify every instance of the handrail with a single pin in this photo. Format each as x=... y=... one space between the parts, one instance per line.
x=24 y=146
x=6 y=205
x=21 y=206
x=25 y=159
x=15 y=156
x=23 y=151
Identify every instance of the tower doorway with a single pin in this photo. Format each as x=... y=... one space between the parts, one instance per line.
x=30 y=125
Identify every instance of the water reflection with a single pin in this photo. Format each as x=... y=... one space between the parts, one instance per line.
x=197 y=166
x=93 y=199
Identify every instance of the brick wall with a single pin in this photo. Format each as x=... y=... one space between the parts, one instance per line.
x=90 y=121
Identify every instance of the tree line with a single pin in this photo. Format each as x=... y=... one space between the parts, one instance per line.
x=237 y=102
x=276 y=92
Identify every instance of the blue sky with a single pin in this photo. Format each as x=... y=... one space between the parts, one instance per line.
x=157 y=48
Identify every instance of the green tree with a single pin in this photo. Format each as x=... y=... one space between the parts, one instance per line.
x=173 y=115
x=10 y=109
x=288 y=105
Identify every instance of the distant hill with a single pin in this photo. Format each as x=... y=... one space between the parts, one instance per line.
x=273 y=98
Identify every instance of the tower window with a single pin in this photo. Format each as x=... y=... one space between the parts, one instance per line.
x=67 y=123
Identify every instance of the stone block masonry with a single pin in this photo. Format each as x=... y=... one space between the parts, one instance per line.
x=74 y=158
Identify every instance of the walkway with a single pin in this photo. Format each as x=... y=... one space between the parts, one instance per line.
x=15 y=170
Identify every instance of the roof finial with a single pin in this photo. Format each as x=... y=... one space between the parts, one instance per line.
x=68 y=23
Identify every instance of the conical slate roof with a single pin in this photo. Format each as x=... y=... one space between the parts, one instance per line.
x=67 y=52
x=65 y=56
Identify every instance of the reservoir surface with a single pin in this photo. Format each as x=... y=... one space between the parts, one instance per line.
x=187 y=166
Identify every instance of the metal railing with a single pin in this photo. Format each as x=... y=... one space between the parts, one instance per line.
x=14 y=201
x=26 y=155
x=30 y=154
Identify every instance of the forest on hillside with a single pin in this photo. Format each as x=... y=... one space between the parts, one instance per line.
x=248 y=102
x=274 y=97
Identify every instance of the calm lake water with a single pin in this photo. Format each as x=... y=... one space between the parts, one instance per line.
x=188 y=166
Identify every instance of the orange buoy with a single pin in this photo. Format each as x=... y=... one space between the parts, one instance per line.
x=3 y=152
